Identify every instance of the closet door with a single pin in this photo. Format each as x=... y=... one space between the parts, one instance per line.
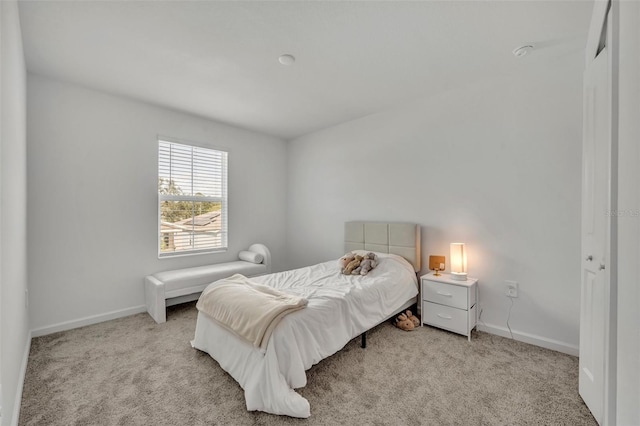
x=594 y=234
x=595 y=310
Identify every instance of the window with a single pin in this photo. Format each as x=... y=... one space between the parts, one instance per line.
x=192 y=199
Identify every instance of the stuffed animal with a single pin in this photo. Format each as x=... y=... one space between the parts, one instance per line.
x=344 y=260
x=365 y=266
x=352 y=265
x=358 y=265
x=368 y=263
x=404 y=323
x=414 y=319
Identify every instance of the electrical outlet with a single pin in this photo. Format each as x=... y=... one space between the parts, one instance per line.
x=511 y=289
x=26 y=298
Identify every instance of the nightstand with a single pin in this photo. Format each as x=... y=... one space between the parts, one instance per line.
x=448 y=303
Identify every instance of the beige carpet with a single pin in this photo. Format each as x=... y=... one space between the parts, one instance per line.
x=132 y=371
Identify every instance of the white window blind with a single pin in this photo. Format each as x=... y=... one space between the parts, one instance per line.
x=192 y=199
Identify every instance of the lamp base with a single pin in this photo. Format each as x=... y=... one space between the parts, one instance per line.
x=459 y=276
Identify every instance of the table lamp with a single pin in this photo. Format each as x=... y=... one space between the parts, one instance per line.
x=458 y=262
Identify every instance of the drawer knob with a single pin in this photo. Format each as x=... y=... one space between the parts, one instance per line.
x=445 y=316
x=445 y=294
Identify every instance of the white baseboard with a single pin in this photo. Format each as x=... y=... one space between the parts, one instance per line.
x=23 y=372
x=544 y=342
x=94 y=319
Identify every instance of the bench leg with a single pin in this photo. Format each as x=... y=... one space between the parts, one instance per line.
x=363 y=343
x=155 y=299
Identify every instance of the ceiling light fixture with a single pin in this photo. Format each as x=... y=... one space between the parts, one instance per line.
x=520 y=51
x=286 y=59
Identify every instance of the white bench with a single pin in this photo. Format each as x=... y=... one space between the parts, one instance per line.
x=181 y=282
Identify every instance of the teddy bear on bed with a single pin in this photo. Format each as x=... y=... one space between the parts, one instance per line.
x=370 y=261
x=348 y=260
x=353 y=265
x=344 y=260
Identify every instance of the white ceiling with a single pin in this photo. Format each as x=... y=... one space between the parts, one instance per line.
x=220 y=59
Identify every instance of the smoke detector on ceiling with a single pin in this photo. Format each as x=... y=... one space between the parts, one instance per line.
x=520 y=51
x=287 y=59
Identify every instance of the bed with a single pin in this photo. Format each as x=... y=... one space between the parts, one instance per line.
x=339 y=309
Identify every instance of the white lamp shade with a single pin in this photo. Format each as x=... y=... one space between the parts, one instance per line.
x=458 y=261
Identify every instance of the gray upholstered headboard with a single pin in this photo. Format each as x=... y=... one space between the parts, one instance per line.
x=402 y=239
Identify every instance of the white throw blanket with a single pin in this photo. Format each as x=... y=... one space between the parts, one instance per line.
x=246 y=308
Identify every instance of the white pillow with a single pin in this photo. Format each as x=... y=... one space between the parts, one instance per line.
x=249 y=256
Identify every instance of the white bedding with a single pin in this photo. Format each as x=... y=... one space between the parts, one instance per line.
x=340 y=308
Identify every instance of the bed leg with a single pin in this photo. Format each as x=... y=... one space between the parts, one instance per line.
x=364 y=340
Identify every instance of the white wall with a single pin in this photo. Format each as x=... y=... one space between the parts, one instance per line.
x=628 y=353
x=14 y=325
x=496 y=165
x=92 y=168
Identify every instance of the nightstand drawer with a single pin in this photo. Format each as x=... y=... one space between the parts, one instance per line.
x=446 y=317
x=445 y=294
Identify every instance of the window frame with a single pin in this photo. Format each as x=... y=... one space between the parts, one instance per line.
x=223 y=200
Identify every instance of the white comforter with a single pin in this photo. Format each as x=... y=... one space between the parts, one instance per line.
x=340 y=308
